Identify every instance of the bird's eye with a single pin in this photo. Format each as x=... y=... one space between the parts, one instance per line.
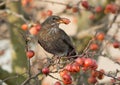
x=53 y=18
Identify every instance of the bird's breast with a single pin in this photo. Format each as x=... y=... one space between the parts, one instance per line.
x=48 y=34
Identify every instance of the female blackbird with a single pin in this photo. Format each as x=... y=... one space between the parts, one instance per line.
x=53 y=39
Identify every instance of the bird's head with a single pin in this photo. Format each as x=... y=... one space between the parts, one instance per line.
x=54 y=21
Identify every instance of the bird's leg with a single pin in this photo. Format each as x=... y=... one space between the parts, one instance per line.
x=59 y=58
x=71 y=51
x=69 y=54
x=58 y=62
x=56 y=58
x=51 y=60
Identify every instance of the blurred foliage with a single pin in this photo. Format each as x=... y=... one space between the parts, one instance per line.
x=18 y=56
x=11 y=78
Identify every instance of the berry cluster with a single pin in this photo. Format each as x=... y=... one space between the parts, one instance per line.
x=111 y=8
x=45 y=14
x=81 y=64
x=99 y=37
x=33 y=30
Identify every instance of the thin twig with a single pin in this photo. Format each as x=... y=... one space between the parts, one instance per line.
x=53 y=2
x=28 y=79
x=3 y=3
x=108 y=75
x=11 y=77
x=15 y=14
x=113 y=20
x=29 y=68
x=54 y=77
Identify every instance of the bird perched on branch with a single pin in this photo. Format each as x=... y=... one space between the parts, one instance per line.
x=53 y=39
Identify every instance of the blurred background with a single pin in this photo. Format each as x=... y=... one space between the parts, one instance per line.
x=85 y=24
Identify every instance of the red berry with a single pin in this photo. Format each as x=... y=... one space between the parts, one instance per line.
x=64 y=72
x=68 y=67
x=57 y=83
x=72 y=67
x=101 y=74
x=24 y=27
x=67 y=82
x=75 y=67
x=85 y=4
x=45 y=70
x=67 y=79
x=33 y=30
x=116 y=44
x=30 y=54
x=25 y=2
x=94 y=73
x=75 y=9
x=49 y=12
x=111 y=8
x=100 y=36
x=92 y=17
x=94 y=46
x=95 y=65
x=38 y=27
x=88 y=62
x=2 y=52
x=98 y=9
x=92 y=80
x=68 y=6
x=80 y=61
x=84 y=68
x=65 y=20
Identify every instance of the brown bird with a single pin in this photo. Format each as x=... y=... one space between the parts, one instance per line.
x=53 y=39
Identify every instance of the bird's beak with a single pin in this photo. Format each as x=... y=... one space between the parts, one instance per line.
x=64 y=20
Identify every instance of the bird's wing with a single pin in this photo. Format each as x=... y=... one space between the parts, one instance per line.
x=66 y=39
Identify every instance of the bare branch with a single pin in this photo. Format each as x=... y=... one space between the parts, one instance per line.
x=7 y=11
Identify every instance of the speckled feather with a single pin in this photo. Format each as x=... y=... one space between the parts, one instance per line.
x=54 y=40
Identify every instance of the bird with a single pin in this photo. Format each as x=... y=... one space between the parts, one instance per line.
x=53 y=39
